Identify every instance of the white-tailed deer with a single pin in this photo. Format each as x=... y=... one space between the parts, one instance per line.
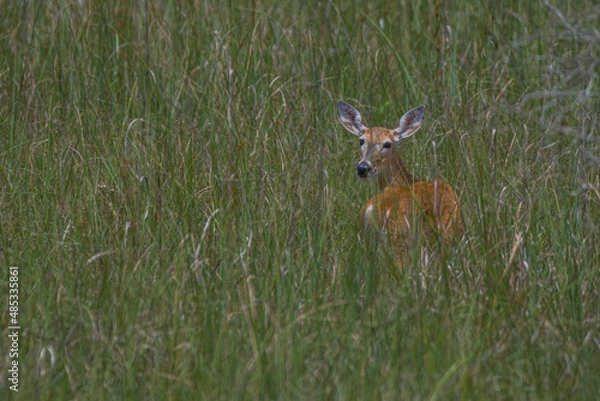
x=405 y=202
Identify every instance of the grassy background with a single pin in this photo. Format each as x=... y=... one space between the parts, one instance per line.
x=182 y=202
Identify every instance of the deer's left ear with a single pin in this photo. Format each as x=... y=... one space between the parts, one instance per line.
x=350 y=118
x=410 y=123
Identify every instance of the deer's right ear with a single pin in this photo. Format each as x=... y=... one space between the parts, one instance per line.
x=350 y=118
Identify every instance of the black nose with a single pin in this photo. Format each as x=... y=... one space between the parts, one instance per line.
x=363 y=169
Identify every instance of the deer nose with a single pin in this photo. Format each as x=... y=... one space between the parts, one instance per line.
x=363 y=169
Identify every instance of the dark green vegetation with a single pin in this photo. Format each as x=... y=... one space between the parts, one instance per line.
x=182 y=202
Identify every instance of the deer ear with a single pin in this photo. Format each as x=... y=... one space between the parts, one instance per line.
x=410 y=123
x=350 y=118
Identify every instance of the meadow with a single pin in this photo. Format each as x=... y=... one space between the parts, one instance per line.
x=181 y=202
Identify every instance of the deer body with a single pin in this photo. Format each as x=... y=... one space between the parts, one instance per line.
x=405 y=203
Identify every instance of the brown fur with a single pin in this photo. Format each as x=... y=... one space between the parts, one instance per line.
x=399 y=210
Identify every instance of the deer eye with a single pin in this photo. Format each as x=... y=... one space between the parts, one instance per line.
x=362 y=141
x=387 y=145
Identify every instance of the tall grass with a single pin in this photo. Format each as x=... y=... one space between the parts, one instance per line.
x=182 y=203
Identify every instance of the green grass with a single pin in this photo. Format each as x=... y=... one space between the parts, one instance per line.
x=182 y=202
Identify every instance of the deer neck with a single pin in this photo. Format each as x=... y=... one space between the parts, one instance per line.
x=395 y=174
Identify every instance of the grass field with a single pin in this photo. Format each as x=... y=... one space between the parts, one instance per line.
x=181 y=202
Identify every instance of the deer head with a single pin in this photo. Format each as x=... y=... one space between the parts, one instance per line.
x=377 y=144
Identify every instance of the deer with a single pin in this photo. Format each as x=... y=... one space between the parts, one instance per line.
x=406 y=203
